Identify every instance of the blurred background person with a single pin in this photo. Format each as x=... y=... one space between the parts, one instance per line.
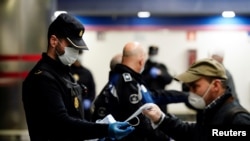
x=84 y=76
x=102 y=105
x=156 y=74
x=218 y=55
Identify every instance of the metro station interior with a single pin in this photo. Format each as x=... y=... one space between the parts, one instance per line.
x=178 y=27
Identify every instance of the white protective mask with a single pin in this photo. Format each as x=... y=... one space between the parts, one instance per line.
x=197 y=101
x=70 y=56
x=153 y=58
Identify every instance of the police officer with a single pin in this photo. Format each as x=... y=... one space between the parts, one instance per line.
x=51 y=97
x=128 y=93
x=155 y=73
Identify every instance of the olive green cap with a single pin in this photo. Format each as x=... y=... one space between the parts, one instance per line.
x=204 y=67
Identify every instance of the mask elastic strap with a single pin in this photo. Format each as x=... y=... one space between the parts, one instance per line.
x=139 y=111
x=208 y=89
x=137 y=123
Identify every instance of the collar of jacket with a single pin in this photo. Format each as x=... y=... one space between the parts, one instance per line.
x=219 y=101
x=55 y=64
x=120 y=68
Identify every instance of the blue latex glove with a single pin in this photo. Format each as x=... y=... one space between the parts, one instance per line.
x=154 y=72
x=86 y=104
x=119 y=130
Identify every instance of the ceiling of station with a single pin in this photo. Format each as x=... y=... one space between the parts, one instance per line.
x=156 y=7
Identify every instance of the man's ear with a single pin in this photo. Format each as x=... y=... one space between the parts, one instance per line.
x=217 y=84
x=141 y=61
x=53 y=41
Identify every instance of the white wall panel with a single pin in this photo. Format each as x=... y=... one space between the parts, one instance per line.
x=173 y=52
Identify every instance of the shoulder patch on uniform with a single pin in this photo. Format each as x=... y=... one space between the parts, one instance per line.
x=38 y=72
x=127 y=77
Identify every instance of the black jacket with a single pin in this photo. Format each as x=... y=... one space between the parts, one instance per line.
x=217 y=115
x=160 y=81
x=123 y=101
x=106 y=100
x=52 y=101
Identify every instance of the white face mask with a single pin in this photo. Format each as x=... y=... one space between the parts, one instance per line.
x=79 y=58
x=197 y=101
x=153 y=58
x=70 y=56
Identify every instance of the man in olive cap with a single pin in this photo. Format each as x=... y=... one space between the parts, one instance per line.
x=52 y=98
x=216 y=109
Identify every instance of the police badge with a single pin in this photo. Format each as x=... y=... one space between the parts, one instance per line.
x=76 y=102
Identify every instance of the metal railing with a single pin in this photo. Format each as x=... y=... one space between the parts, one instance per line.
x=14 y=135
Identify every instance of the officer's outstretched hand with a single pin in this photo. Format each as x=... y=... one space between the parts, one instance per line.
x=153 y=112
x=119 y=130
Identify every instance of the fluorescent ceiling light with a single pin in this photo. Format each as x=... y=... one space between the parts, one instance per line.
x=143 y=14
x=228 y=14
x=57 y=13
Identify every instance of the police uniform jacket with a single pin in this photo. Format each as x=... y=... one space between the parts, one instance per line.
x=216 y=115
x=129 y=98
x=52 y=105
x=107 y=100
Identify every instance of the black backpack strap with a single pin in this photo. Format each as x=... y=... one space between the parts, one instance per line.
x=49 y=75
x=47 y=71
x=233 y=112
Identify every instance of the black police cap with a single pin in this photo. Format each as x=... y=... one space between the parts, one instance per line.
x=66 y=26
x=153 y=50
